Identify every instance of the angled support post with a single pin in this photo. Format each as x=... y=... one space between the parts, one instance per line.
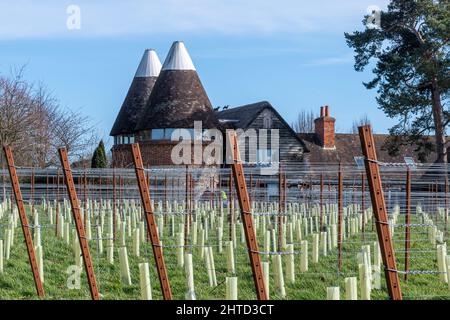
x=151 y=223
x=24 y=221
x=379 y=210
x=246 y=214
x=79 y=224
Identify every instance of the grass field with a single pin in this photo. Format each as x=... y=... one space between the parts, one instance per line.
x=16 y=282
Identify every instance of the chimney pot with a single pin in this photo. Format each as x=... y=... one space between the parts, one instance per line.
x=327 y=111
x=322 y=113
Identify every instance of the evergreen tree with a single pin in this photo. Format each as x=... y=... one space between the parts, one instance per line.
x=99 y=156
x=409 y=44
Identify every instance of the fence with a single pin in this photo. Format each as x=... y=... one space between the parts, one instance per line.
x=314 y=226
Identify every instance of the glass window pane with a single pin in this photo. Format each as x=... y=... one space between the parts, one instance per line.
x=157 y=134
x=168 y=133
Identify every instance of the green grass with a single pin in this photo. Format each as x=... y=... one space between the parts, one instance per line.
x=17 y=282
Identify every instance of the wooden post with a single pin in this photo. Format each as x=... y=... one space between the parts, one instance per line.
x=280 y=210
x=340 y=218
x=363 y=207
x=231 y=205
x=24 y=221
x=32 y=191
x=285 y=195
x=445 y=209
x=188 y=208
x=379 y=209
x=251 y=188
x=151 y=223
x=250 y=232
x=436 y=201
x=407 y=221
x=321 y=202
x=79 y=224
x=57 y=204
x=165 y=197
x=85 y=198
x=114 y=205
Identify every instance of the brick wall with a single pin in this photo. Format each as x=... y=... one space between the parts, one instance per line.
x=154 y=153
x=324 y=128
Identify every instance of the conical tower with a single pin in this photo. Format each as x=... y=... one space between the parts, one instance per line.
x=178 y=97
x=137 y=96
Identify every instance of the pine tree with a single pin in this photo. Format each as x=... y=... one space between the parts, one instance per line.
x=409 y=45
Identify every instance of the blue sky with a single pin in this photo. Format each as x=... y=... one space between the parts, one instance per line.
x=291 y=53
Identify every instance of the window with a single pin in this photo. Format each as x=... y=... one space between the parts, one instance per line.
x=359 y=162
x=157 y=134
x=168 y=133
x=267 y=120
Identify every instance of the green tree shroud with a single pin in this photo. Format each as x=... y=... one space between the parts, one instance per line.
x=412 y=78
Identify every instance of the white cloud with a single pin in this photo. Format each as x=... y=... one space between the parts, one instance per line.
x=46 y=18
x=328 y=61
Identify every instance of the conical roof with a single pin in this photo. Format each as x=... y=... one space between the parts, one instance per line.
x=138 y=94
x=178 y=97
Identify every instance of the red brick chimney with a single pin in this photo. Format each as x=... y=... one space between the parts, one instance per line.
x=324 y=127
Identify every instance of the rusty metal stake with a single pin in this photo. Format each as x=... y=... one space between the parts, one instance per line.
x=151 y=223
x=24 y=221
x=79 y=224
x=244 y=204
x=379 y=210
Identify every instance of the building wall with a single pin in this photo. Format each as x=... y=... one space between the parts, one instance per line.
x=154 y=153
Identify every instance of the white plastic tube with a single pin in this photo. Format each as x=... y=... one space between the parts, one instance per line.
x=144 y=276
x=351 y=288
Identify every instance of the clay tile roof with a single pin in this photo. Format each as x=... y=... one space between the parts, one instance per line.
x=348 y=146
x=178 y=97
